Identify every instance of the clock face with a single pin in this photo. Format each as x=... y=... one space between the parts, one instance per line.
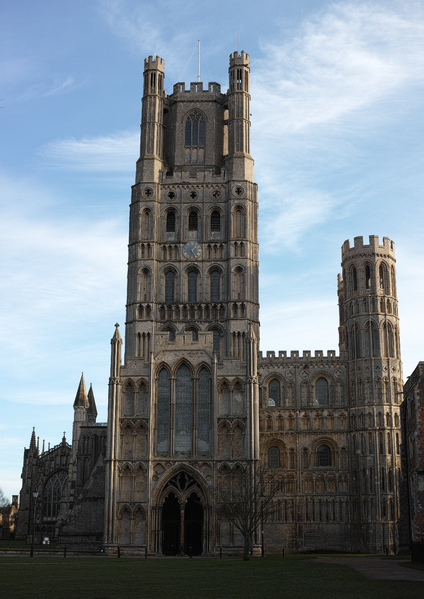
x=192 y=250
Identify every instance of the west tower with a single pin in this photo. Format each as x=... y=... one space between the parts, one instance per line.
x=186 y=397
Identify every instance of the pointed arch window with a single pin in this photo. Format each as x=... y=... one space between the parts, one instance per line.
x=274 y=457
x=164 y=400
x=381 y=276
x=203 y=410
x=215 y=290
x=367 y=277
x=354 y=279
x=215 y=221
x=217 y=343
x=53 y=493
x=145 y=285
x=193 y=221
x=170 y=222
x=192 y=286
x=169 y=287
x=183 y=410
x=195 y=130
x=321 y=391
x=274 y=393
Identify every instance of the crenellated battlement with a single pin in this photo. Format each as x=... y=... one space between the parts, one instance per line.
x=237 y=59
x=196 y=87
x=154 y=63
x=295 y=355
x=372 y=247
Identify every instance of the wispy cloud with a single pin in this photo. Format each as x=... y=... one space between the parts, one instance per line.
x=317 y=95
x=45 y=89
x=114 y=153
x=55 y=269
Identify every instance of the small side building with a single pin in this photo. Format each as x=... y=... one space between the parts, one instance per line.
x=412 y=483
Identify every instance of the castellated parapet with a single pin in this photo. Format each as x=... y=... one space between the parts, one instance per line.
x=373 y=247
x=154 y=63
x=239 y=59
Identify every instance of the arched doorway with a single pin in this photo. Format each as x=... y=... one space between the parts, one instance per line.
x=171 y=525
x=193 y=521
x=182 y=516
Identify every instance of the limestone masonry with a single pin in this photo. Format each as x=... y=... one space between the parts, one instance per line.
x=194 y=403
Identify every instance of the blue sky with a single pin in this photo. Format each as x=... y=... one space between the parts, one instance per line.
x=337 y=137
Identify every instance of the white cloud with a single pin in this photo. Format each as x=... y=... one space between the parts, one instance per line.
x=114 y=153
x=318 y=95
x=348 y=58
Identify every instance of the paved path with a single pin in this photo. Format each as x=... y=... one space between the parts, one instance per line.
x=377 y=568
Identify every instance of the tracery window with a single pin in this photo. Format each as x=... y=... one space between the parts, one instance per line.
x=195 y=130
x=274 y=393
x=323 y=456
x=273 y=457
x=321 y=391
x=53 y=493
x=183 y=410
x=184 y=394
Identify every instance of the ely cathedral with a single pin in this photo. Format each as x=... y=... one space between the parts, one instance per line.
x=192 y=401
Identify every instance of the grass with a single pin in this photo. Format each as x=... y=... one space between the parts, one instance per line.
x=15 y=544
x=202 y=578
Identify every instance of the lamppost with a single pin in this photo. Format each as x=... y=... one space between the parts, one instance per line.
x=262 y=499
x=35 y=495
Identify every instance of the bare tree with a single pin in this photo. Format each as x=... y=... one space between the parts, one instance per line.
x=247 y=503
x=3 y=499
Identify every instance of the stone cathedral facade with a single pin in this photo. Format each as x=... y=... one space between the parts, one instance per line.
x=192 y=401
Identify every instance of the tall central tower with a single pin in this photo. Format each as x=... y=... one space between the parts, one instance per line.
x=183 y=409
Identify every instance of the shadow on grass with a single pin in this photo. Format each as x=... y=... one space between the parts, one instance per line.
x=205 y=578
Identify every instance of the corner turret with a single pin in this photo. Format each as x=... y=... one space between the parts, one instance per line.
x=239 y=160
x=151 y=140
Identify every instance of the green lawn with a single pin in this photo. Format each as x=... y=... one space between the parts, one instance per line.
x=201 y=578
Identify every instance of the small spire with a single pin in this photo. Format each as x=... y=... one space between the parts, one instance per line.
x=32 y=442
x=117 y=335
x=38 y=442
x=81 y=399
x=92 y=410
x=44 y=444
x=64 y=438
